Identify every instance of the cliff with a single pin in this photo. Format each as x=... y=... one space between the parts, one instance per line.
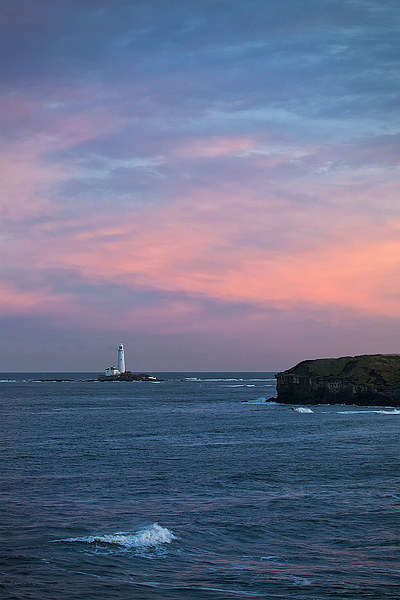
x=364 y=380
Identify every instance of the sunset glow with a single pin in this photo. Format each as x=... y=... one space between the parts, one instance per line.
x=219 y=193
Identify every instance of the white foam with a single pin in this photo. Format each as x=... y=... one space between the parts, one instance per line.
x=302 y=409
x=151 y=537
x=395 y=411
x=231 y=592
x=257 y=401
x=238 y=385
x=223 y=379
x=235 y=385
x=261 y=400
x=302 y=581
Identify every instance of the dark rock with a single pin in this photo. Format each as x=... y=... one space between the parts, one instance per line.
x=128 y=376
x=367 y=380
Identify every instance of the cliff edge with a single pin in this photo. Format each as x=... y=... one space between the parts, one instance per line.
x=367 y=380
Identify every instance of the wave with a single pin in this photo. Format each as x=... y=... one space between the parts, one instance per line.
x=148 y=538
x=302 y=409
x=237 y=385
x=261 y=401
x=223 y=379
x=227 y=379
x=257 y=401
x=227 y=591
x=208 y=379
x=394 y=411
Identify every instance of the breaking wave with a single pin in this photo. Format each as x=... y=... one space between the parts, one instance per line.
x=261 y=401
x=257 y=401
x=394 y=411
x=144 y=539
x=302 y=409
x=237 y=385
x=223 y=379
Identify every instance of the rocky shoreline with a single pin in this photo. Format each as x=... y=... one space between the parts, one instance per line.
x=366 y=380
x=127 y=376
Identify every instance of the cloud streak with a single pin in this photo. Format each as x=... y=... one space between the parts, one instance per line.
x=215 y=177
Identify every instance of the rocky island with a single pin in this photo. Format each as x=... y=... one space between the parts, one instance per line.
x=121 y=374
x=367 y=380
x=127 y=376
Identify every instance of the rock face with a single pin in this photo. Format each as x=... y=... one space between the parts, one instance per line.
x=368 y=380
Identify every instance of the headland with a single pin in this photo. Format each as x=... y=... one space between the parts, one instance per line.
x=366 y=380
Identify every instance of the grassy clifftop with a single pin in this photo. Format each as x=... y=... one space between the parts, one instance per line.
x=369 y=369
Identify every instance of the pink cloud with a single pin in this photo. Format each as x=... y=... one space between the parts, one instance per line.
x=23 y=182
x=214 y=146
x=225 y=243
x=197 y=249
x=27 y=176
x=14 y=300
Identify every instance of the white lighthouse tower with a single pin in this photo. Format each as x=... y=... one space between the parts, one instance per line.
x=121 y=359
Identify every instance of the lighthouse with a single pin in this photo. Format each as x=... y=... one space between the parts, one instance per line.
x=120 y=374
x=121 y=359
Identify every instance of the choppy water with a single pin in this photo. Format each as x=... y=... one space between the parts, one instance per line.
x=194 y=489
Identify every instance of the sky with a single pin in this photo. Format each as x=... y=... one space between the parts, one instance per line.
x=214 y=183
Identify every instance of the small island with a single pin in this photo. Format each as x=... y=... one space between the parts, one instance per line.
x=120 y=374
x=127 y=376
x=367 y=380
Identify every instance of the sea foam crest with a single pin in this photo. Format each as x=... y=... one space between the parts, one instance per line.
x=257 y=401
x=394 y=411
x=302 y=409
x=149 y=537
x=261 y=400
x=235 y=385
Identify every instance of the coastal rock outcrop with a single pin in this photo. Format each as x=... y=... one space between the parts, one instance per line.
x=367 y=380
x=127 y=376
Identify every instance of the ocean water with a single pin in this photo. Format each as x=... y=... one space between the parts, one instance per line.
x=193 y=488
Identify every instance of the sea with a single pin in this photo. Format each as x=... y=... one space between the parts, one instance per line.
x=200 y=486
